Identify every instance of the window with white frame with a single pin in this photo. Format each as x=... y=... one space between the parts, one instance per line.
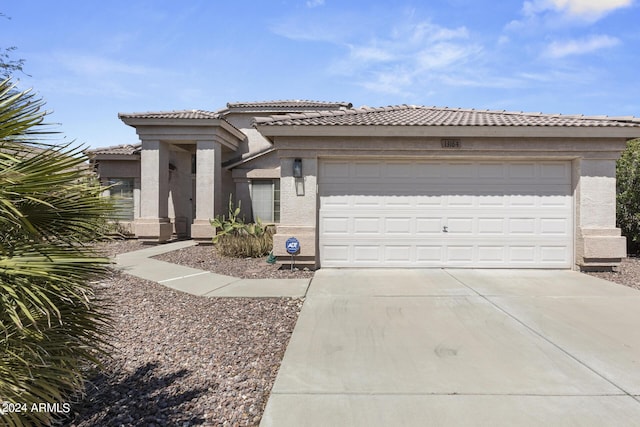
x=265 y=199
x=121 y=191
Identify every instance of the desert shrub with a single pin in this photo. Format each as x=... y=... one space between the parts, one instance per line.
x=235 y=238
x=628 y=195
x=245 y=245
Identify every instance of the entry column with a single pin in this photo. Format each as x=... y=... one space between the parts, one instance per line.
x=154 y=223
x=208 y=189
x=600 y=244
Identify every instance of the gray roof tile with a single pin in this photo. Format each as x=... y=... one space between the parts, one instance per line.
x=290 y=104
x=411 y=115
x=125 y=149
x=181 y=114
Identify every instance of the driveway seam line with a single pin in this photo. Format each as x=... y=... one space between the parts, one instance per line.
x=308 y=393
x=566 y=352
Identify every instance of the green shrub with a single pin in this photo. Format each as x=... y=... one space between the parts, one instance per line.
x=628 y=195
x=234 y=238
x=51 y=324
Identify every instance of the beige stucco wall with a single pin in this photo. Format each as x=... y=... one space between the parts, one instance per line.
x=597 y=240
x=299 y=209
x=180 y=211
x=266 y=166
x=254 y=142
x=130 y=168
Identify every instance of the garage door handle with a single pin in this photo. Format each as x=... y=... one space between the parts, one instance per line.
x=445 y=229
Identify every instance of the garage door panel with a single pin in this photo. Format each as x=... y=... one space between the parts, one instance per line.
x=397 y=253
x=491 y=226
x=522 y=254
x=434 y=201
x=554 y=226
x=555 y=172
x=335 y=170
x=366 y=169
x=492 y=254
x=367 y=253
x=491 y=201
x=522 y=170
x=460 y=225
x=460 y=254
x=522 y=226
x=429 y=254
x=336 y=225
x=425 y=226
x=398 y=226
x=461 y=200
x=336 y=253
x=399 y=169
x=553 y=254
x=496 y=214
x=461 y=171
x=367 y=226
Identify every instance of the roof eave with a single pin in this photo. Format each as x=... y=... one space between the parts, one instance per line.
x=272 y=131
x=138 y=121
x=112 y=156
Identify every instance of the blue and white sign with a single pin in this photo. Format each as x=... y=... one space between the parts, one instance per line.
x=293 y=245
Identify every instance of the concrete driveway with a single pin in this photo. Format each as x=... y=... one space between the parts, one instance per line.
x=461 y=348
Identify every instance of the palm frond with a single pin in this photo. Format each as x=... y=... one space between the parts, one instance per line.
x=51 y=323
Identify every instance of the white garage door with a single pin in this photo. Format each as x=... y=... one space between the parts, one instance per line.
x=445 y=214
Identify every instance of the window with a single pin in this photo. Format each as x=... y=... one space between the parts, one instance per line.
x=265 y=200
x=121 y=192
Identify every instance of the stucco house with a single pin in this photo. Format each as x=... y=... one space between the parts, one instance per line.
x=399 y=186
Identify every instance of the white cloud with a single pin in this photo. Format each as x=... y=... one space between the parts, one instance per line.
x=560 y=49
x=409 y=55
x=314 y=3
x=584 y=9
x=371 y=54
x=96 y=65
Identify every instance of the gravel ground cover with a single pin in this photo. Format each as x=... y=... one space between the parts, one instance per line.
x=627 y=274
x=206 y=257
x=184 y=360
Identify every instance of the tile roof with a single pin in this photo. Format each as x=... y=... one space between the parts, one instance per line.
x=412 y=115
x=125 y=149
x=181 y=114
x=290 y=103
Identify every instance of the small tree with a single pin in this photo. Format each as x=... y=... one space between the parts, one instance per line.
x=50 y=209
x=628 y=195
x=8 y=65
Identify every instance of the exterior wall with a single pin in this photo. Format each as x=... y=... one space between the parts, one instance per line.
x=180 y=197
x=597 y=240
x=254 y=142
x=299 y=210
x=154 y=223
x=129 y=168
x=209 y=191
x=263 y=167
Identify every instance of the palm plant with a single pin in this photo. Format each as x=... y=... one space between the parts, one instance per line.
x=51 y=324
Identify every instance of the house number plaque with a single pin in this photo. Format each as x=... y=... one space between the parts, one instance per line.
x=450 y=143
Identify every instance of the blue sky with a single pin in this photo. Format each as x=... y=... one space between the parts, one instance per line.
x=90 y=60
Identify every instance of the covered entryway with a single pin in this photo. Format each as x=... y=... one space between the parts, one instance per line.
x=444 y=213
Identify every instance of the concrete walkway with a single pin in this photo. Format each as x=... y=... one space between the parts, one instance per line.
x=461 y=348
x=200 y=282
